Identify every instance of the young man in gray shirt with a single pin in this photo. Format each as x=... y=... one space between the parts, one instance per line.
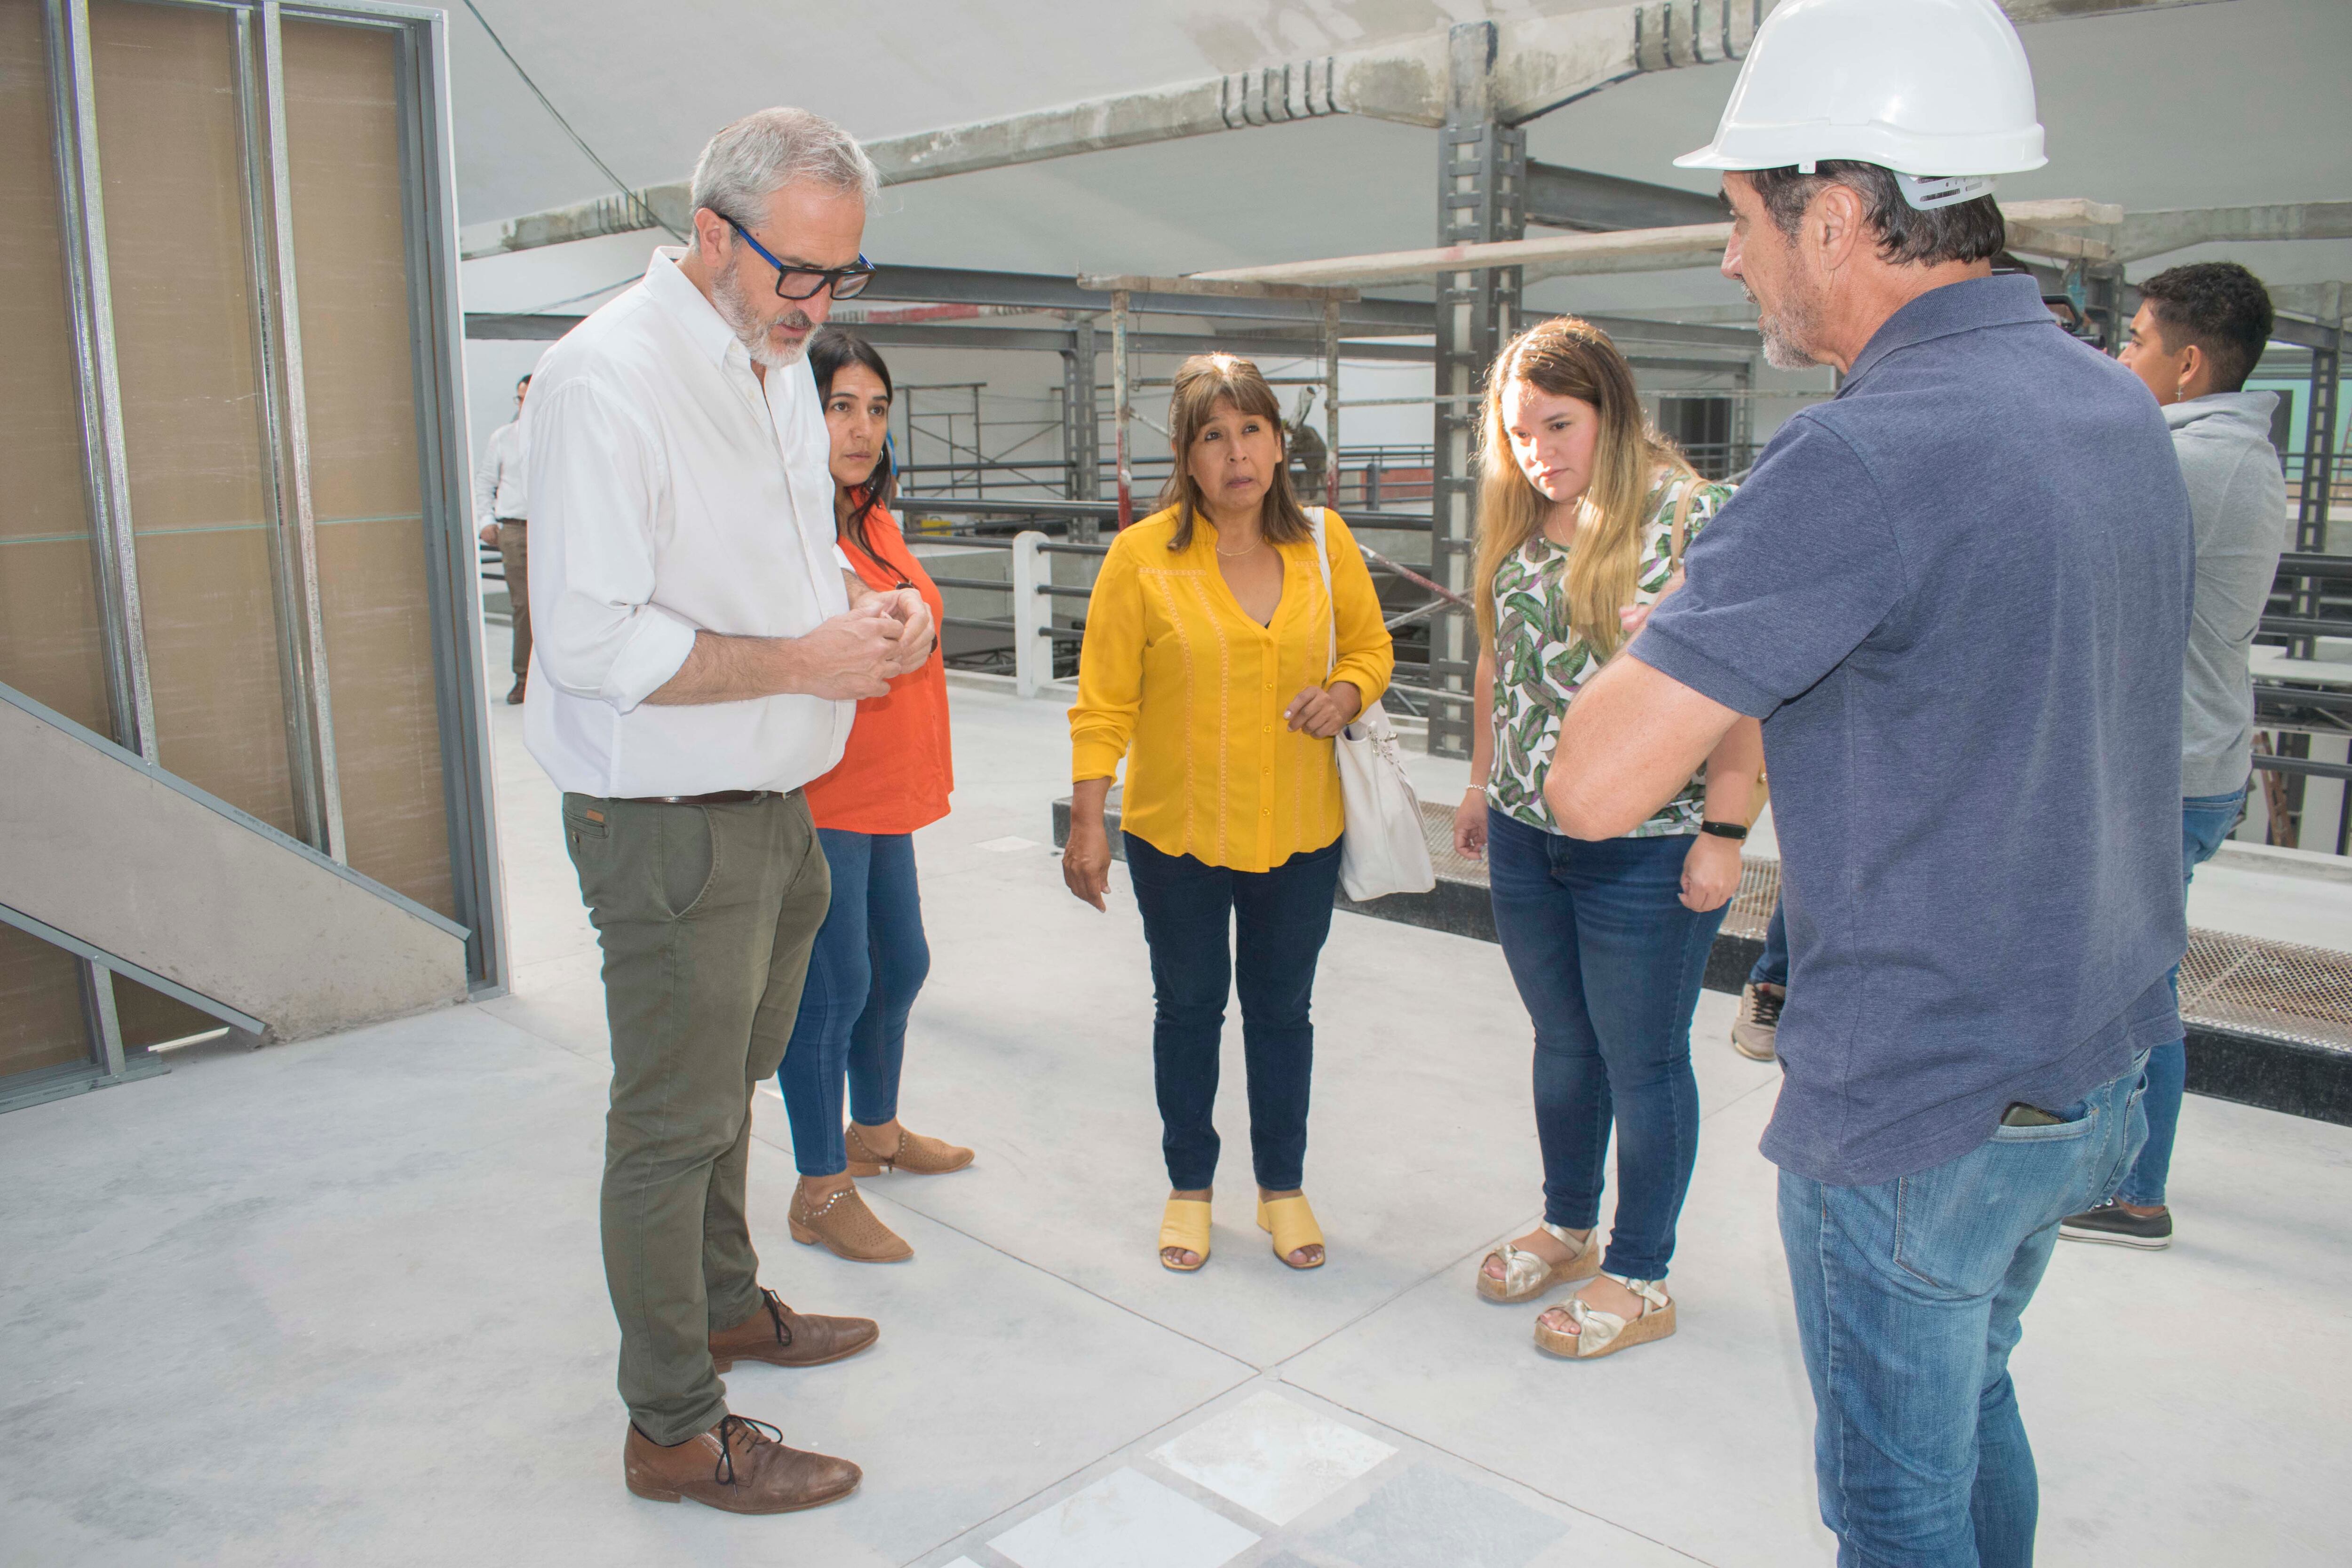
x=2197 y=337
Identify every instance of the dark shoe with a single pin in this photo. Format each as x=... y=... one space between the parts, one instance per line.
x=776 y=1335
x=1754 y=1032
x=2113 y=1223
x=514 y=697
x=740 y=1465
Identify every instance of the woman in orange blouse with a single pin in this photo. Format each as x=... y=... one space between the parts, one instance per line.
x=870 y=957
x=1216 y=664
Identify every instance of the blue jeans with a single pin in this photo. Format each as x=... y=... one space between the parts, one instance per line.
x=1772 y=965
x=1281 y=918
x=2205 y=823
x=869 y=961
x=1910 y=1300
x=1607 y=963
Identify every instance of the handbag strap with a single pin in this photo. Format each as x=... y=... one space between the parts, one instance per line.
x=1323 y=559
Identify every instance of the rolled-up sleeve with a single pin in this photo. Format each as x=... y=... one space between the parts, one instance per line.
x=1110 y=668
x=597 y=488
x=1367 y=652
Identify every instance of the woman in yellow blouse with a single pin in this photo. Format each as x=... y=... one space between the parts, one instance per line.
x=1209 y=665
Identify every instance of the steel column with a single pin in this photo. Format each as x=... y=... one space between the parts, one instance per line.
x=1332 y=403
x=1084 y=437
x=1120 y=380
x=2319 y=474
x=73 y=99
x=310 y=637
x=1481 y=178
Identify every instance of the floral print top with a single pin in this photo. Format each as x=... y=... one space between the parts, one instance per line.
x=1540 y=661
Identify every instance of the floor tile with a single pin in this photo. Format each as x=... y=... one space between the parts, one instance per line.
x=1126 y=1520
x=1273 y=1455
x=1429 y=1515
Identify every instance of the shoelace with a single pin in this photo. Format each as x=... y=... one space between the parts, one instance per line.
x=725 y=1473
x=776 y=1311
x=1767 y=1005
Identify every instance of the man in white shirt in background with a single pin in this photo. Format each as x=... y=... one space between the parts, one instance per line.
x=500 y=498
x=700 y=657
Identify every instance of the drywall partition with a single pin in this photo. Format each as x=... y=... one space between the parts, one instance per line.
x=358 y=372
x=234 y=539
x=52 y=643
x=147 y=870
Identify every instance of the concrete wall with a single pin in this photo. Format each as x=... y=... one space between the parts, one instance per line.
x=110 y=852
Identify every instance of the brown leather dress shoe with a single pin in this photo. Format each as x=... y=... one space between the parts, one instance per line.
x=740 y=1465
x=777 y=1334
x=514 y=697
x=916 y=1155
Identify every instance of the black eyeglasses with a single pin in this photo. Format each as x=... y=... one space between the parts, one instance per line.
x=806 y=283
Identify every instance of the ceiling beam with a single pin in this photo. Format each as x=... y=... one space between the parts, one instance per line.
x=2151 y=234
x=1577 y=199
x=1543 y=63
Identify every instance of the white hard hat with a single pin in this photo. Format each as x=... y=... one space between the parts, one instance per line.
x=1932 y=88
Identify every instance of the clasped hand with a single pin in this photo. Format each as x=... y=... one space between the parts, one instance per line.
x=859 y=653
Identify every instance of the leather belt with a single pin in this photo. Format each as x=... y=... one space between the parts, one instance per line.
x=717 y=797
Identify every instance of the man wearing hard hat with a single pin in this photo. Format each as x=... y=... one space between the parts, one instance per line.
x=1958 y=594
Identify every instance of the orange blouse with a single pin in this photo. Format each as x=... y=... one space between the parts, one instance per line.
x=897 y=771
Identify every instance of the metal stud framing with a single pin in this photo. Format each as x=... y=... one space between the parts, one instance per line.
x=1481 y=178
x=74 y=105
x=2318 y=473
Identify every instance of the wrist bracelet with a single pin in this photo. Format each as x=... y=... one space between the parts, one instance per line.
x=1724 y=829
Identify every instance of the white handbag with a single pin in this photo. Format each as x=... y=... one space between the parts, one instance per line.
x=1382 y=849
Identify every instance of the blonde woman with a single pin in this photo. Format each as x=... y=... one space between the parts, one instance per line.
x=1216 y=664
x=1583 y=514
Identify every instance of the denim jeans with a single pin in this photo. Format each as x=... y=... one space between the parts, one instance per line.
x=1910 y=1300
x=1607 y=963
x=1281 y=918
x=1771 y=966
x=2205 y=823
x=869 y=961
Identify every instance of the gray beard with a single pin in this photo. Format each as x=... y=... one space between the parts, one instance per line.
x=743 y=318
x=1787 y=336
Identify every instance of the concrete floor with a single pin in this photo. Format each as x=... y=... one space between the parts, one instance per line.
x=340 y=1302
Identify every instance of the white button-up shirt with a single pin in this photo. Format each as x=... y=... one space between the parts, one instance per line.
x=499 y=489
x=672 y=491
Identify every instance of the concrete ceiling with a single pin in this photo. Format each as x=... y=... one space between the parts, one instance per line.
x=2212 y=105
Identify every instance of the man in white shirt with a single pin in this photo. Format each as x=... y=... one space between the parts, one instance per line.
x=498 y=500
x=700 y=657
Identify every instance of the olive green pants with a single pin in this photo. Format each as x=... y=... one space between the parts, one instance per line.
x=706 y=914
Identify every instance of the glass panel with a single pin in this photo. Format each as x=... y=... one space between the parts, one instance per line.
x=350 y=259
x=41 y=1022
x=171 y=156
x=52 y=645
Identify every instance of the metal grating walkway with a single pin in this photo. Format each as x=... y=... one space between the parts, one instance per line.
x=2281 y=990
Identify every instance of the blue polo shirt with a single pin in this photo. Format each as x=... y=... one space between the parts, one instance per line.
x=1958 y=595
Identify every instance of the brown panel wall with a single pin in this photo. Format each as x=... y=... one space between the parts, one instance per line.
x=41 y=1021
x=352 y=274
x=51 y=645
x=170 y=160
x=150 y=1018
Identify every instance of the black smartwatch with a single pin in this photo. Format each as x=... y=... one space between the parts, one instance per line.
x=1724 y=829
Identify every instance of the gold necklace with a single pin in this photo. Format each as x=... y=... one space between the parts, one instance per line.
x=1236 y=554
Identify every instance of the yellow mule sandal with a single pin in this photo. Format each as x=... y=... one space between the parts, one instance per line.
x=1292 y=1224
x=1184 y=1224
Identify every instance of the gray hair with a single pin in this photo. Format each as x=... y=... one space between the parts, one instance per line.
x=761 y=154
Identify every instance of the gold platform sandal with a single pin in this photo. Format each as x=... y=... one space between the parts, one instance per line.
x=1291 y=1223
x=1526 y=1275
x=1603 y=1333
x=1184 y=1226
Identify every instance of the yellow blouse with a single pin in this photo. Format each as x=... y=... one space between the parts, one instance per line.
x=1176 y=678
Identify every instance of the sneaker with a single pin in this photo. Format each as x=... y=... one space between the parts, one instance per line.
x=2111 y=1222
x=1760 y=1020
